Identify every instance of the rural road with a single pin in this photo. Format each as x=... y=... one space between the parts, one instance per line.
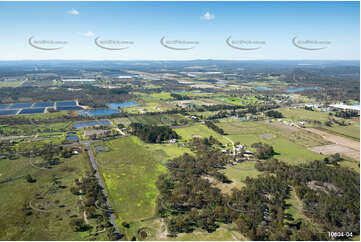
x=336 y=139
x=345 y=146
x=234 y=148
x=94 y=165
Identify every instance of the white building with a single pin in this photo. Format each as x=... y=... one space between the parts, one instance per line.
x=341 y=106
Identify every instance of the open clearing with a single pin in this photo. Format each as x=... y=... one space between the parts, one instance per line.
x=297 y=114
x=336 y=148
x=351 y=131
x=60 y=204
x=199 y=130
x=337 y=139
x=291 y=145
x=131 y=185
x=237 y=174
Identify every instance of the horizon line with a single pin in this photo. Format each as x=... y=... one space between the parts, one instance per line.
x=182 y=60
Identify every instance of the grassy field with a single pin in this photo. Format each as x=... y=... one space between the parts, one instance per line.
x=167 y=151
x=351 y=164
x=161 y=96
x=11 y=83
x=238 y=101
x=60 y=203
x=199 y=130
x=294 y=208
x=296 y=114
x=151 y=106
x=290 y=144
x=158 y=232
x=352 y=131
x=163 y=119
x=295 y=214
x=131 y=184
x=237 y=174
x=17 y=130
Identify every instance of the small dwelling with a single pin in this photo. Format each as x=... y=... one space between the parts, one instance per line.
x=172 y=141
x=76 y=150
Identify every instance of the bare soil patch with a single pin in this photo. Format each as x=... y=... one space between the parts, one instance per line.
x=336 y=148
x=266 y=136
x=337 y=139
x=284 y=126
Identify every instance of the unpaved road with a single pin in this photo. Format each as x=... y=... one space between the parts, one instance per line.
x=337 y=139
x=234 y=148
x=345 y=146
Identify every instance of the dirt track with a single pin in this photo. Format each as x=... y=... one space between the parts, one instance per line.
x=342 y=145
x=337 y=139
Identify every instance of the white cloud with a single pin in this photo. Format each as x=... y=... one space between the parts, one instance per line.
x=208 y=16
x=87 y=34
x=73 y=12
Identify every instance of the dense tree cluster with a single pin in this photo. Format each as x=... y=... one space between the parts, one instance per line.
x=88 y=95
x=274 y=114
x=346 y=114
x=214 y=127
x=93 y=199
x=152 y=134
x=179 y=96
x=263 y=151
x=187 y=198
x=330 y=194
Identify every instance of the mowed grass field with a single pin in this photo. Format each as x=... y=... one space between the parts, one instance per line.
x=164 y=152
x=237 y=174
x=290 y=144
x=60 y=203
x=200 y=130
x=130 y=182
x=297 y=114
x=131 y=185
x=352 y=131
x=238 y=101
x=163 y=119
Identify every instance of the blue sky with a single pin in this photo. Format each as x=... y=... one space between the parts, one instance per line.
x=273 y=24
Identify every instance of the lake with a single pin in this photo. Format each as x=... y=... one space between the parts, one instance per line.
x=261 y=88
x=300 y=89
